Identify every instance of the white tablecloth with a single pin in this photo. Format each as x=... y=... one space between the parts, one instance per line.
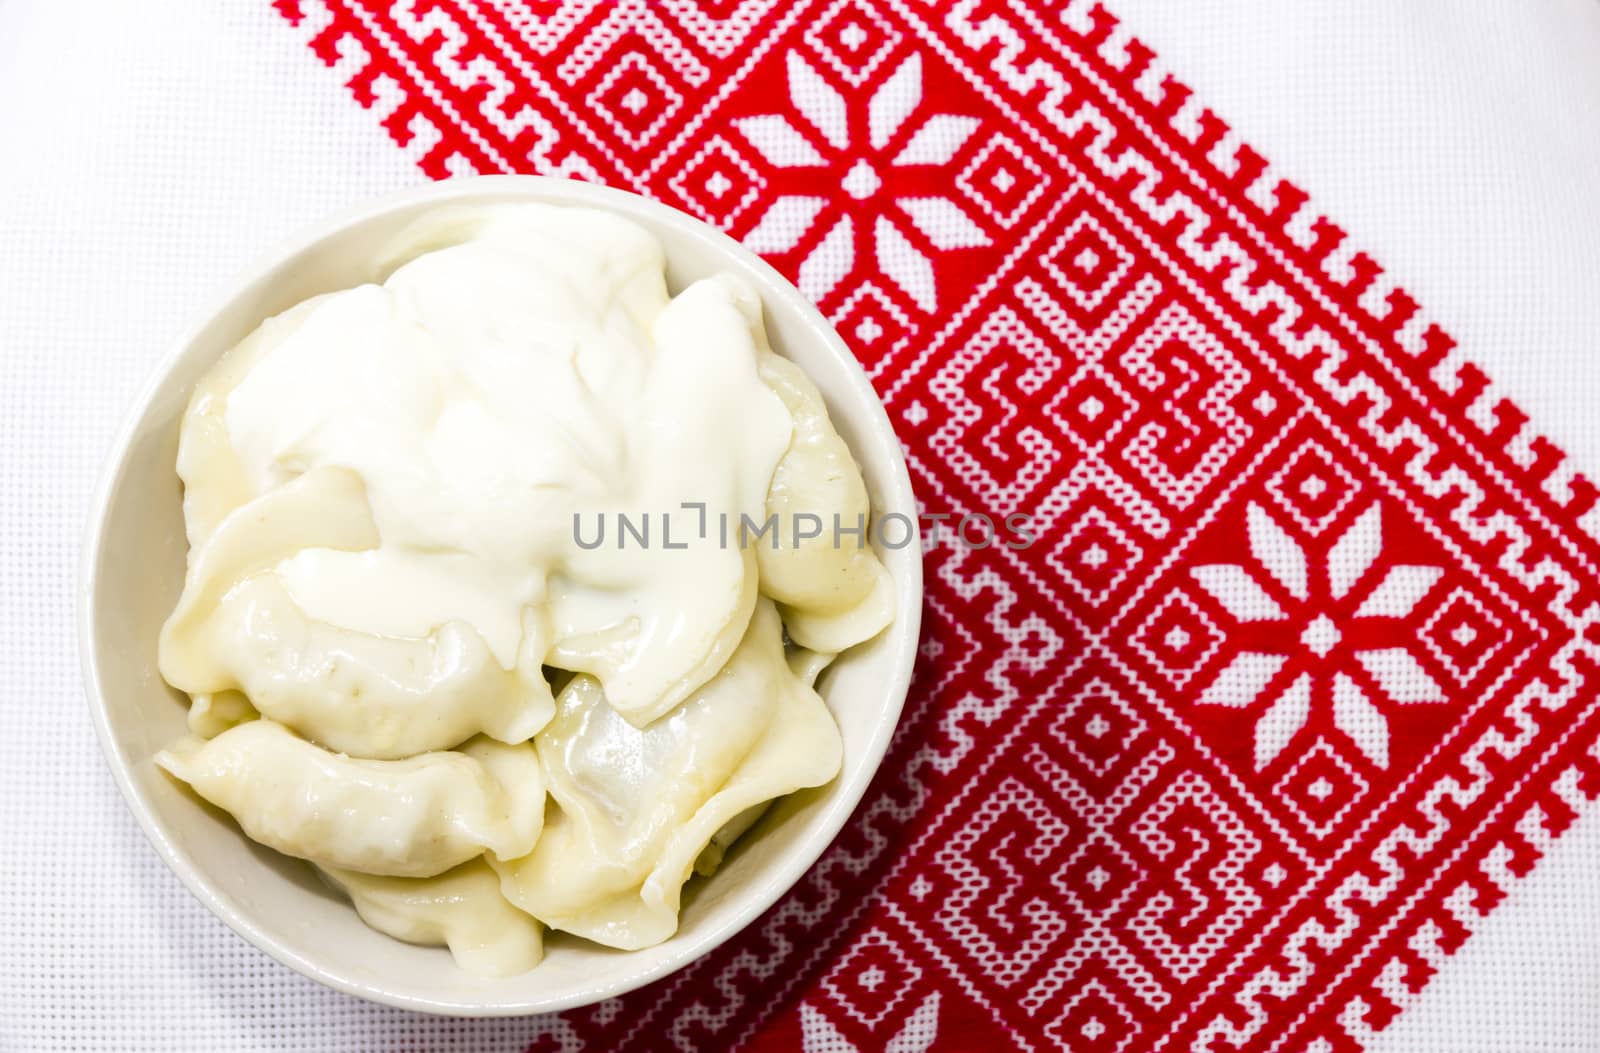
x=149 y=150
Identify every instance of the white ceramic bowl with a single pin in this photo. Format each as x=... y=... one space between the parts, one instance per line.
x=133 y=570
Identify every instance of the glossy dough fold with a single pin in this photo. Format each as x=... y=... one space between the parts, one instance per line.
x=832 y=589
x=651 y=623
x=235 y=628
x=634 y=809
x=461 y=909
x=387 y=491
x=402 y=818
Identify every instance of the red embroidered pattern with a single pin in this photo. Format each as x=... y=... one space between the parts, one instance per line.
x=1299 y=675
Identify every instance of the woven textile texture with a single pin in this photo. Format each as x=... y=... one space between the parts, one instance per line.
x=1293 y=690
x=1300 y=664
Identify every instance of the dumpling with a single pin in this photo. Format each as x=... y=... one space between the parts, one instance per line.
x=369 y=696
x=212 y=714
x=325 y=507
x=404 y=818
x=633 y=809
x=653 y=625
x=461 y=909
x=833 y=592
x=711 y=856
x=808 y=665
x=214 y=482
x=236 y=628
x=655 y=653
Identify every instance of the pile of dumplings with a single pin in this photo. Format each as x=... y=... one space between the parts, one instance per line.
x=462 y=787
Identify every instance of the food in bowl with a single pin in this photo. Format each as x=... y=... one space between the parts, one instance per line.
x=508 y=582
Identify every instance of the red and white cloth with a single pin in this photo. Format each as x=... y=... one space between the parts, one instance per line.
x=1289 y=710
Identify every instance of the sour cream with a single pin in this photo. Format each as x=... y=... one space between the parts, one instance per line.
x=385 y=495
x=524 y=370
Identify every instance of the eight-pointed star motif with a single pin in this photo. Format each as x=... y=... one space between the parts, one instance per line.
x=871 y=166
x=1319 y=611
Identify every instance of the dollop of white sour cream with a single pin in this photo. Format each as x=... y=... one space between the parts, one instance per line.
x=405 y=503
x=490 y=391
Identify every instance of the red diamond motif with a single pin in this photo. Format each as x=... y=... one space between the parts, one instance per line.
x=1003 y=180
x=853 y=39
x=1095 y=1023
x=1179 y=638
x=1097 y=734
x=872 y=977
x=1088 y=265
x=1313 y=488
x=1100 y=875
x=1096 y=554
x=1109 y=810
x=717 y=184
x=636 y=98
x=1322 y=789
x=1099 y=1014
x=872 y=325
x=1464 y=635
x=1093 y=406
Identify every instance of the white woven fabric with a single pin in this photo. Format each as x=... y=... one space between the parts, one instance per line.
x=149 y=151
x=1458 y=141
x=152 y=149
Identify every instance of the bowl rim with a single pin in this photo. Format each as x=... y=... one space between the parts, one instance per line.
x=906 y=628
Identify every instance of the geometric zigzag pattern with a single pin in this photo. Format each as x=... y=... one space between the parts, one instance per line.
x=1299 y=674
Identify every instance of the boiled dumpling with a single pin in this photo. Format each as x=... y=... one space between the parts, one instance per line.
x=808 y=665
x=633 y=809
x=214 y=482
x=236 y=628
x=833 y=591
x=632 y=646
x=711 y=856
x=369 y=696
x=325 y=507
x=403 y=818
x=461 y=909
x=212 y=714
x=653 y=624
